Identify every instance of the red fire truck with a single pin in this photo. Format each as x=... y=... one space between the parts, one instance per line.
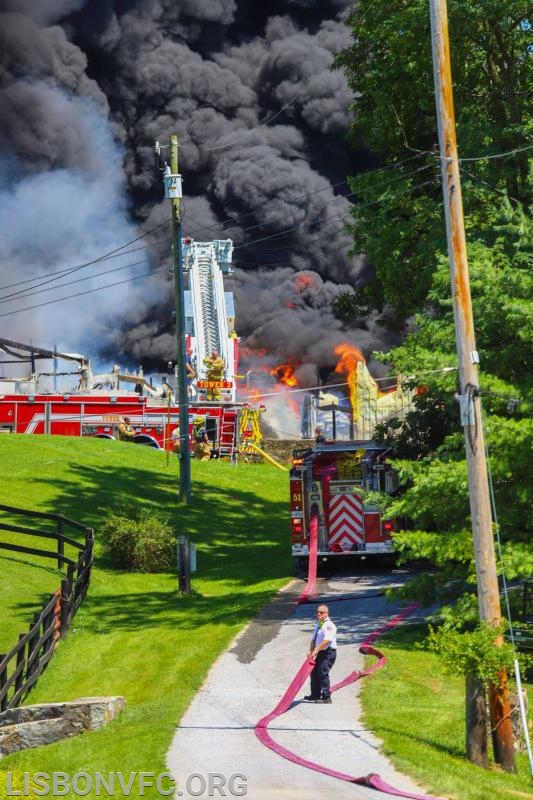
x=99 y=414
x=341 y=483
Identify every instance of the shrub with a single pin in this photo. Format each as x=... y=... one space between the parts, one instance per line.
x=141 y=543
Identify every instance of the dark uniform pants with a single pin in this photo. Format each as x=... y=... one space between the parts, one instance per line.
x=320 y=685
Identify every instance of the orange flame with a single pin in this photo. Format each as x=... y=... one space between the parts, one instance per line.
x=349 y=358
x=284 y=373
x=303 y=281
x=285 y=377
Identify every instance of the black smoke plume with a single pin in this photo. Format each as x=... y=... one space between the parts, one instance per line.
x=87 y=88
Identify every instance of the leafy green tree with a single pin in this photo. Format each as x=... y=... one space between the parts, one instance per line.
x=398 y=213
x=349 y=306
x=433 y=460
x=399 y=224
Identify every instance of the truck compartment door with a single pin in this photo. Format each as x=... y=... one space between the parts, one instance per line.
x=345 y=519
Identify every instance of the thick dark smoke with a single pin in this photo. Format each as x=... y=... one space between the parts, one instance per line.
x=87 y=88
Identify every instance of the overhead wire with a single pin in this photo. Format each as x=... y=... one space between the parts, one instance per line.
x=243 y=130
x=71 y=283
x=94 y=260
x=329 y=187
x=312 y=194
x=117 y=254
x=393 y=165
x=326 y=387
x=63 y=272
x=79 y=294
x=34 y=289
x=286 y=231
x=496 y=155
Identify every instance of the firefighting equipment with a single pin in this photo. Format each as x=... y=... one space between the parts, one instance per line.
x=250 y=432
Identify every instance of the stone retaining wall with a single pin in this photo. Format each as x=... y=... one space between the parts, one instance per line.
x=33 y=726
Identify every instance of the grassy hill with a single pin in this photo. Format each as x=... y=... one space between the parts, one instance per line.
x=128 y=637
x=136 y=636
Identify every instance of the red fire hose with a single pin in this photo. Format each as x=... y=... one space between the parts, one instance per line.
x=313 y=546
x=261 y=729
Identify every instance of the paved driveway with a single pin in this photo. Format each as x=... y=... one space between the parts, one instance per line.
x=216 y=734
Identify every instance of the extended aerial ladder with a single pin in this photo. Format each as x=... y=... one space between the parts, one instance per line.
x=209 y=310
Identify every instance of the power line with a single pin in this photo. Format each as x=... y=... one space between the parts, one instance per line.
x=393 y=165
x=72 y=283
x=117 y=254
x=318 y=191
x=63 y=272
x=243 y=130
x=81 y=294
x=93 y=261
x=324 y=388
x=78 y=294
x=278 y=235
x=496 y=155
x=300 y=226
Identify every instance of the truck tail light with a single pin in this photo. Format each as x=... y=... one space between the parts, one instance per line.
x=297 y=526
x=388 y=526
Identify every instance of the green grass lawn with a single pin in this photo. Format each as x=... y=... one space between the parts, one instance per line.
x=425 y=736
x=135 y=636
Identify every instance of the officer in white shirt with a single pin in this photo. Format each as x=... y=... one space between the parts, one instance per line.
x=323 y=650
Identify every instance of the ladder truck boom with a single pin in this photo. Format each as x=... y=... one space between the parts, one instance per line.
x=209 y=312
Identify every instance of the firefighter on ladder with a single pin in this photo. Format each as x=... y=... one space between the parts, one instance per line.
x=191 y=374
x=215 y=372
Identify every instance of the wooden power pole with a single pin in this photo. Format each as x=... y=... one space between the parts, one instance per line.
x=173 y=192
x=469 y=397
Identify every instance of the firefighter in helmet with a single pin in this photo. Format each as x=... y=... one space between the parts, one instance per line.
x=125 y=430
x=215 y=372
x=202 y=445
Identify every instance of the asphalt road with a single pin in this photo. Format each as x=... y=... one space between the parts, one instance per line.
x=216 y=734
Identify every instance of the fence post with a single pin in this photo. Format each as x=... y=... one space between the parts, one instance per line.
x=19 y=680
x=57 y=616
x=47 y=622
x=32 y=642
x=184 y=565
x=60 y=542
x=3 y=681
x=65 y=607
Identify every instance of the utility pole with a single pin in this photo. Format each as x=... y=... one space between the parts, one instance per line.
x=173 y=192
x=470 y=403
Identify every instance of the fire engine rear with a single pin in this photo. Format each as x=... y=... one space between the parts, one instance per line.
x=341 y=483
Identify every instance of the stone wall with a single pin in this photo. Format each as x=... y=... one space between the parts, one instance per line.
x=33 y=726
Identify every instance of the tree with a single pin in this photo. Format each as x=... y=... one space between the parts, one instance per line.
x=398 y=222
x=398 y=214
x=436 y=500
x=433 y=460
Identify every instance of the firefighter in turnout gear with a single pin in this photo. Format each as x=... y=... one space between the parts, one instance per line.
x=125 y=430
x=202 y=445
x=215 y=372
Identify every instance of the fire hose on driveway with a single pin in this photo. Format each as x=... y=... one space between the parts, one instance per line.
x=261 y=729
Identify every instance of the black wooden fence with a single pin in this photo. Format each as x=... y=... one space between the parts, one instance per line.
x=22 y=666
